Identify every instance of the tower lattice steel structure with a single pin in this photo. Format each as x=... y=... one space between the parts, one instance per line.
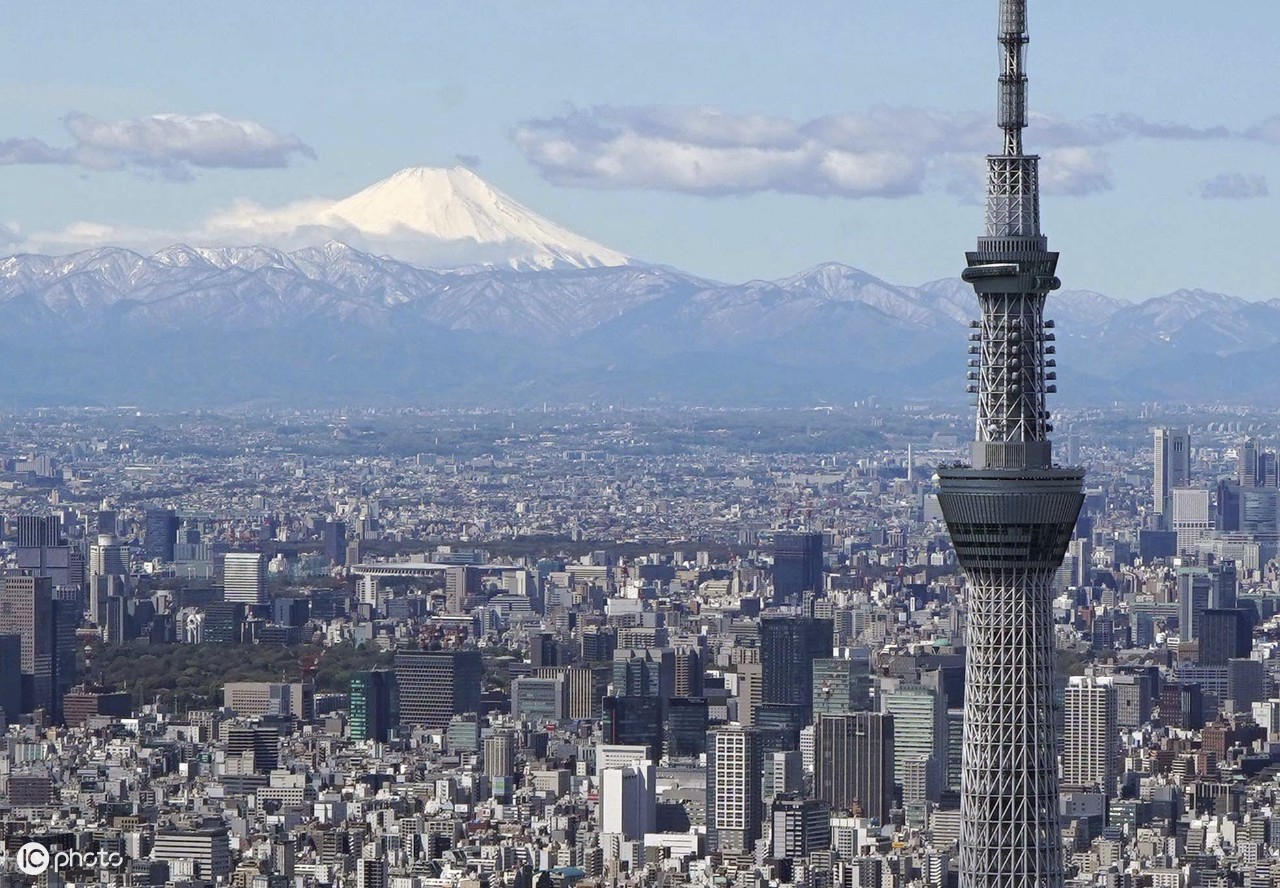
x=1010 y=515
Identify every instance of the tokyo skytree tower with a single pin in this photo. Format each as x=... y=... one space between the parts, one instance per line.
x=1010 y=515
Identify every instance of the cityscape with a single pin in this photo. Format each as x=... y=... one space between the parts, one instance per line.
x=267 y=648
x=410 y=539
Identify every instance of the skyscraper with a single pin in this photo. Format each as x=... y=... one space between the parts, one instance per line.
x=27 y=610
x=499 y=754
x=841 y=685
x=1224 y=634
x=1247 y=463
x=1172 y=459
x=434 y=686
x=43 y=552
x=1090 y=748
x=797 y=564
x=788 y=647
x=161 y=533
x=633 y=721
x=245 y=578
x=919 y=735
x=800 y=827
x=335 y=541
x=1010 y=516
x=735 y=806
x=853 y=763
x=627 y=800
x=1189 y=516
x=10 y=664
x=374 y=705
x=35 y=531
x=108 y=557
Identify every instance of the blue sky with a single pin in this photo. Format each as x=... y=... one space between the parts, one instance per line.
x=1158 y=123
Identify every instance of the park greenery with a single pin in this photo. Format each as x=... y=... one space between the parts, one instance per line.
x=192 y=675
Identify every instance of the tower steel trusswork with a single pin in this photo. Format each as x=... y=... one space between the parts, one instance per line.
x=1010 y=516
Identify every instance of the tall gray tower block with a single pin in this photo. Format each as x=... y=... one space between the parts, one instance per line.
x=1010 y=515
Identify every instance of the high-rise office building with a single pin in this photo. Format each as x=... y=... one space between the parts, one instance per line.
x=462 y=589
x=1247 y=463
x=255 y=699
x=244 y=578
x=68 y=614
x=583 y=688
x=540 y=701
x=544 y=650
x=628 y=800
x=688 y=672
x=160 y=533
x=841 y=685
x=27 y=610
x=434 y=686
x=1224 y=634
x=334 y=534
x=800 y=827
x=598 y=643
x=1228 y=506
x=10 y=665
x=42 y=551
x=853 y=763
x=1010 y=516
x=633 y=721
x=500 y=755
x=788 y=647
x=108 y=557
x=1090 y=737
x=35 y=531
x=223 y=621
x=797 y=564
x=1181 y=705
x=1247 y=683
x=1226 y=583
x=1267 y=469
x=1195 y=596
x=919 y=733
x=1190 y=516
x=735 y=806
x=1172 y=459
x=644 y=672
x=685 y=727
x=1134 y=692
x=258 y=748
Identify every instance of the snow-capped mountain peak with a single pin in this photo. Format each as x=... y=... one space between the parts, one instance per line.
x=455 y=207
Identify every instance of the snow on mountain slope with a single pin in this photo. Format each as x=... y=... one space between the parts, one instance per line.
x=437 y=218
x=455 y=205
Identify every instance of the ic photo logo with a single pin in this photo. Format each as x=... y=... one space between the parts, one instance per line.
x=34 y=859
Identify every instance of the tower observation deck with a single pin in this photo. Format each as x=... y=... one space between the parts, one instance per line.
x=1010 y=515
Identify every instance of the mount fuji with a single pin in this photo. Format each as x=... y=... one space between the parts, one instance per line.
x=432 y=217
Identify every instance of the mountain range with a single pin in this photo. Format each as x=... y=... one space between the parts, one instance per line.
x=558 y=318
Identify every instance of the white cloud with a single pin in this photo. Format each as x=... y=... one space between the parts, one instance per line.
x=170 y=145
x=1075 y=171
x=711 y=152
x=881 y=152
x=1234 y=186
